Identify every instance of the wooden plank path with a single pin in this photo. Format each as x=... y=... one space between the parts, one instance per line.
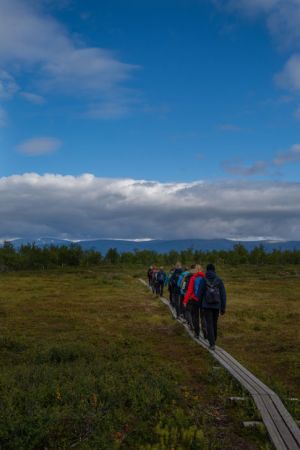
x=282 y=429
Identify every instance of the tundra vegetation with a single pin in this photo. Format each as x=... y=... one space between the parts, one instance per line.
x=90 y=359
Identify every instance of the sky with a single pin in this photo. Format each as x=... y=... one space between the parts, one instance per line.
x=153 y=119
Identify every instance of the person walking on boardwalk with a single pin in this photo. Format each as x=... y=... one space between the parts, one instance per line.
x=153 y=279
x=175 y=289
x=160 y=281
x=183 y=283
x=169 y=277
x=212 y=298
x=149 y=275
x=191 y=298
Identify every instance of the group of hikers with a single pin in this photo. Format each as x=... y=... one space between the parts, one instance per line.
x=197 y=297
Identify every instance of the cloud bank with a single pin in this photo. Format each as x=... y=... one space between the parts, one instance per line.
x=88 y=207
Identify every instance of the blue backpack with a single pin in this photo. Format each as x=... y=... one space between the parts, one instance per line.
x=198 y=281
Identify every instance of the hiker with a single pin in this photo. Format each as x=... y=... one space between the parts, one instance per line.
x=192 y=300
x=160 y=281
x=153 y=279
x=212 y=298
x=183 y=283
x=149 y=275
x=168 y=281
x=175 y=296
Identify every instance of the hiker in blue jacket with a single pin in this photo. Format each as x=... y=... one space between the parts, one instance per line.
x=160 y=281
x=212 y=298
x=182 y=284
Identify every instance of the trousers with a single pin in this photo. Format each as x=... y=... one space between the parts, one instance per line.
x=211 y=318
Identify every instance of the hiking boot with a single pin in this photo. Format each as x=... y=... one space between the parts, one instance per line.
x=212 y=347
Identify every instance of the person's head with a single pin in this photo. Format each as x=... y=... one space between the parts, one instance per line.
x=161 y=268
x=198 y=268
x=210 y=268
x=178 y=265
x=195 y=268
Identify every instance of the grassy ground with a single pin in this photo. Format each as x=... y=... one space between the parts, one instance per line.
x=261 y=327
x=90 y=360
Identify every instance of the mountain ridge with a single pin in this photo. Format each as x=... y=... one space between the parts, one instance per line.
x=160 y=246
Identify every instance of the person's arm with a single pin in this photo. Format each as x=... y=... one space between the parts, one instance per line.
x=223 y=297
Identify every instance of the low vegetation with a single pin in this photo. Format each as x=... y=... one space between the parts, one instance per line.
x=32 y=257
x=91 y=360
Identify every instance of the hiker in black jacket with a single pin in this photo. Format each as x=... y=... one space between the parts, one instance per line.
x=175 y=290
x=212 y=297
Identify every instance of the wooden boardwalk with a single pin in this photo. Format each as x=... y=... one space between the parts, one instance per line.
x=282 y=429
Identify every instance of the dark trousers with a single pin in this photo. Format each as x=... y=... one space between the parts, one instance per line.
x=170 y=295
x=211 y=318
x=195 y=312
x=177 y=302
x=161 y=288
x=203 y=323
x=188 y=314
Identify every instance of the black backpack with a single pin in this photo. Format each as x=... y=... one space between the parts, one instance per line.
x=212 y=295
x=160 y=277
x=174 y=279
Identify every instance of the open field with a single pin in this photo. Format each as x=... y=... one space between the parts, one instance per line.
x=91 y=360
x=262 y=328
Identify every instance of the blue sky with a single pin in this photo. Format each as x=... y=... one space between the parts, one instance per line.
x=177 y=91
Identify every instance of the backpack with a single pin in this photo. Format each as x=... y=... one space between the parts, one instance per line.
x=174 y=279
x=185 y=282
x=212 y=295
x=198 y=281
x=160 y=276
x=154 y=275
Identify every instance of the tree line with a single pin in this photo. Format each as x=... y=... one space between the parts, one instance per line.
x=32 y=257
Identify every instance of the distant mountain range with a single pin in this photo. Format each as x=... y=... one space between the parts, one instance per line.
x=160 y=246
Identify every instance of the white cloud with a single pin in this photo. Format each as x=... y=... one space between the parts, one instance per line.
x=282 y=17
x=38 y=44
x=238 y=168
x=289 y=156
x=39 y=146
x=8 y=86
x=87 y=206
x=33 y=98
x=290 y=75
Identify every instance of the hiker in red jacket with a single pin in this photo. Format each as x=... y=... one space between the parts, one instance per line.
x=191 y=298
